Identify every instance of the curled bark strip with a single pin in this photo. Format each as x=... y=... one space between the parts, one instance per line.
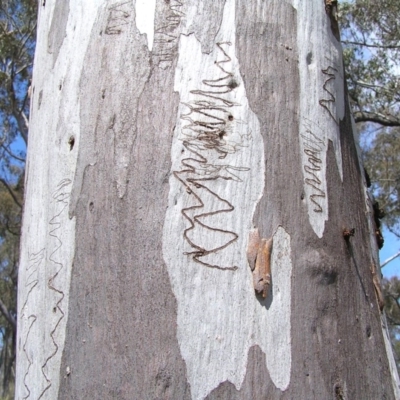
x=259 y=258
x=262 y=272
x=377 y=287
x=252 y=248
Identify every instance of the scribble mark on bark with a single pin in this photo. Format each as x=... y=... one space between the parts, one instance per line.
x=330 y=73
x=118 y=16
x=205 y=131
x=166 y=36
x=61 y=197
x=34 y=262
x=313 y=146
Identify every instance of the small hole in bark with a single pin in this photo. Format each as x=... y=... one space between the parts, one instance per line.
x=302 y=196
x=91 y=206
x=230 y=118
x=348 y=233
x=60 y=86
x=233 y=84
x=54 y=309
x=368 y=331
x=221 y=134
x=71 y=142
x=103 y=93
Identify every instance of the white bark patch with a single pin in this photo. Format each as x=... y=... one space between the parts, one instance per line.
x=321 y=105
x=48 y=237
x=216 y=182
x=145 y=12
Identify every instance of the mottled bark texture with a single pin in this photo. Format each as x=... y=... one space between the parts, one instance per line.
x=111 y=129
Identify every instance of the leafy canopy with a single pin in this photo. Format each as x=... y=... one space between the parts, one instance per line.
x=17 y=43
x=371 y=40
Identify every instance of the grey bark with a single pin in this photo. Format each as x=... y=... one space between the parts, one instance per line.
x=121 y=337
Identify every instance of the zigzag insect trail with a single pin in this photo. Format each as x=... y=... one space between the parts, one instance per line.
x=173 y=21
x=206 y=136
x=117 y=17
x=331 y=99
x=312 y=152
x=60 y=197
x=35 y=260
x=26 y=355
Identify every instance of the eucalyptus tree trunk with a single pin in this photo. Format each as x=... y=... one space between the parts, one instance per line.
x=196 y=220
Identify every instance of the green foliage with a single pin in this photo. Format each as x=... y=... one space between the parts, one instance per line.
x=17 y=43
x=391 y=290
x=382 y=161
x=371 y=40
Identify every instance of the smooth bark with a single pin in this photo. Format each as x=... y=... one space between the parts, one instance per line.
x=163 y=135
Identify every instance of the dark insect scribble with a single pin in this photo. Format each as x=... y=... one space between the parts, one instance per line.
x=166 y=35
x=313 y=146
x=118 y=16
x=330 y=73
x=204 y=135
x=61 y=197
x=34 y=262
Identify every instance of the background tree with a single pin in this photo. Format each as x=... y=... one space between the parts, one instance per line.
x=17 y=42
x=371 y=38
x=169 y=146
x=391 y=289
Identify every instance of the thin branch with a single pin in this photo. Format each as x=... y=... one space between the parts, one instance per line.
x=8 y=228
x=371 y=45
x=11 y=192
x=23 y=68
x=7 y=315
x=374 y=87
x=26 y=120
x=24 y=41
x=387 y=261
x=11 y=154
x=21 y=122
x=365 y=116
x=19 y=116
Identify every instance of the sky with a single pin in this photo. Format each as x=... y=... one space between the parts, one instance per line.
x=390 y=247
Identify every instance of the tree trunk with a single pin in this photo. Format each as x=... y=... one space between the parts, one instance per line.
x=169 y=141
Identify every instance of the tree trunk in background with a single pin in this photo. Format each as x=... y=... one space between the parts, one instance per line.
x=168 y=139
